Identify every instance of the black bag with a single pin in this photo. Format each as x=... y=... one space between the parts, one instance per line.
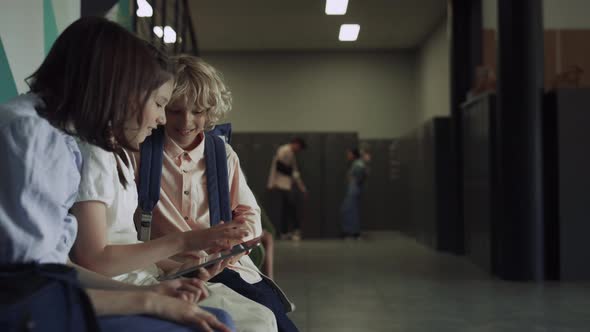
x=43 y=297
x=284 y=168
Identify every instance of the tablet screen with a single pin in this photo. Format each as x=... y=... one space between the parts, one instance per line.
x=236 y=250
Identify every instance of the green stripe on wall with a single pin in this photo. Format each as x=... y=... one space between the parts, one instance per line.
x=123 y=15
x=49 y=25
x=7 y=85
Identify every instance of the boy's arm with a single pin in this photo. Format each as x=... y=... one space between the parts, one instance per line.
x=243 y=202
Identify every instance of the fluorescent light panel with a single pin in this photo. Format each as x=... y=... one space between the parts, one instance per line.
x=158 y=31
x=349 y=32
x=167 y=33
x=336 y=7
x=144 y=9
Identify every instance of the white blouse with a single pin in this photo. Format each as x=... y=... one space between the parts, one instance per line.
x=100 y=182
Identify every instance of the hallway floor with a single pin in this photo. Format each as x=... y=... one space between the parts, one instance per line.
x=389 y=282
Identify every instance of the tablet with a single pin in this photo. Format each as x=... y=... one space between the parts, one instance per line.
x=236 y=250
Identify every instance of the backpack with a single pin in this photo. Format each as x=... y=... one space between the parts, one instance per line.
x=43 y=297
x=150 y=175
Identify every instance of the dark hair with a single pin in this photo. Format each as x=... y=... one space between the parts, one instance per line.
x=97 y=75
x=355 y=152
x=300 y=141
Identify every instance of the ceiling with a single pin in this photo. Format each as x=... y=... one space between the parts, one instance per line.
x=302 y=25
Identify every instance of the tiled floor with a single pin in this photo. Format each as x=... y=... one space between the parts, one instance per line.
x=389 y=282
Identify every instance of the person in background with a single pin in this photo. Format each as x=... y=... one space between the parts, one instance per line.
x=350 y=210
x=284 y=172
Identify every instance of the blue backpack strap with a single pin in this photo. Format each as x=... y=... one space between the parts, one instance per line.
x=223 y=131
x=217 y=179
x=150 y=176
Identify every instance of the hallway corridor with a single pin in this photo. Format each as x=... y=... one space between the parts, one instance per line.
x=388 y=282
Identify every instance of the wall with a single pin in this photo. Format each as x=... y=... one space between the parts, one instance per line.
x=557 y=14
x=566 y=50
x=27 y=30
x=433 y=76
x=371 y=93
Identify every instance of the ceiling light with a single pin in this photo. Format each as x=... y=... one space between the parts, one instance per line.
x=169 y=35
x=336 y=7
x=158 y=31
x=349 y=32
x=144 y=9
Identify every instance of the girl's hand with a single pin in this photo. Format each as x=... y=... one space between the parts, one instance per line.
x=182 y=312
x=188 y=289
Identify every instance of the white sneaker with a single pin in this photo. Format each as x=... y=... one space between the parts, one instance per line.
x=296 y=236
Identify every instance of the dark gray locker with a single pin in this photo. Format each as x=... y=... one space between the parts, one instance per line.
x=478 y=179
x=323 y=168
x=567 y=181
x=259 y=149
x=427 y=178
x=405 y=153
x=383 y=207
x=310 y=211
x=256 y=152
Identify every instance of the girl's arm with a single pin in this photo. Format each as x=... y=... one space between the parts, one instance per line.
x=136 y=303
x=92 y=251
x=91 y=279
x=186 y=288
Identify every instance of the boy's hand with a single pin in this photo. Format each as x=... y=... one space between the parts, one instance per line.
x=236 y=258
x=217 y=238
x=211 y=271
x=240 y=220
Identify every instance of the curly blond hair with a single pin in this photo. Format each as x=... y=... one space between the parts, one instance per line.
x=198 y=84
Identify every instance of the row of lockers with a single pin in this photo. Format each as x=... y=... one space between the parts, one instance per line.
x=566 y=182
x=323 y=167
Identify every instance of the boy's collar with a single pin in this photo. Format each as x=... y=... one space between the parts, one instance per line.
x=173 y=150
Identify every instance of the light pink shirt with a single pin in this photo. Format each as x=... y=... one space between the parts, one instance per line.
x=184 y=203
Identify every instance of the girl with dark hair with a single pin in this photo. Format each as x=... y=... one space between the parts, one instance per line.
x=107 y=240
x=105 y=88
